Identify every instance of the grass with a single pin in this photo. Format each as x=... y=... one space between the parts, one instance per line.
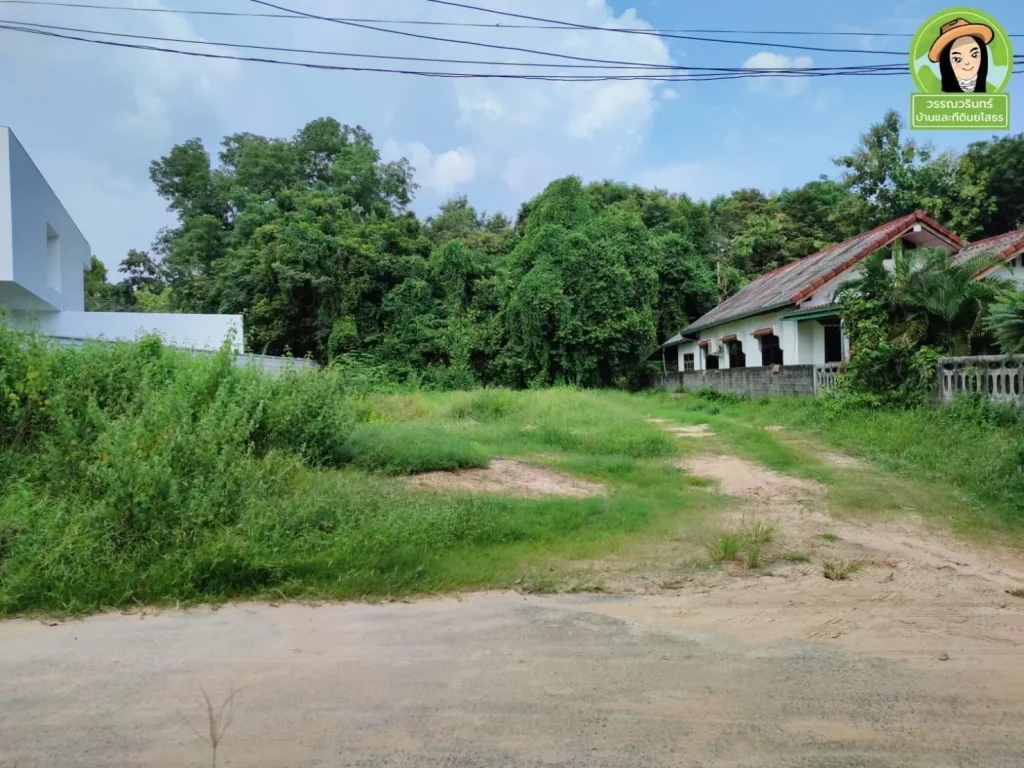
x=839 y=570
x=831 y=538
x=725 y=547
x=968 y=457
x=754 y=557
x=1015 y=592
x=796 y=557
x=759 y=532
x=133 y=473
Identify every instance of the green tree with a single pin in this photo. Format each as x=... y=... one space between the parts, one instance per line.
x=582 y=289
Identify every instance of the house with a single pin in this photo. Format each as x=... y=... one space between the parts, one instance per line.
x=1007 y=250
x=43 y=260
x=788 y=317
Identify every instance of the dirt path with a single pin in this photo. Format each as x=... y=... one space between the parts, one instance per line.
x=915 y=660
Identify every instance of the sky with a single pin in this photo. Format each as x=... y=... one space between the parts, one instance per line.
x=93 y=117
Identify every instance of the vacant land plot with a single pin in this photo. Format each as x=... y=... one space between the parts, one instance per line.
x=756 y=596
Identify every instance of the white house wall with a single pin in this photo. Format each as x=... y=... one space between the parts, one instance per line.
x=826 y=293
x=204 y=332
x=48 y=255
x=744 y=329
x=802 y=341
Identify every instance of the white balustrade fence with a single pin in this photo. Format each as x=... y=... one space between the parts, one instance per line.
x=998 y=377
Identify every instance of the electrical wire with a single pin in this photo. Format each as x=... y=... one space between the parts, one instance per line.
x=657 y=33
x=419 y=36
x=428 y=23
x=677 y=78
x=319 y=52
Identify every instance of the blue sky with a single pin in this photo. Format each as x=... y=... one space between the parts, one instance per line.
x=93 y=118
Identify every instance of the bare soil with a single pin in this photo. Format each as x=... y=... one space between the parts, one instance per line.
x=511 y=478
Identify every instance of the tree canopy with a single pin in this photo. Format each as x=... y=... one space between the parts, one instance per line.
x=312 y=240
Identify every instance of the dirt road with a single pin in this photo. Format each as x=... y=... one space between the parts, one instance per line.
x=916 y=660
x=498 y=680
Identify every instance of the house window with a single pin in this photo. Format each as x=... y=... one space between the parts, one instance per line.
x=711 y=362
x=52 y=258
x=771 y=350
x=833 y=343
x=688 y=362
x=736 y=357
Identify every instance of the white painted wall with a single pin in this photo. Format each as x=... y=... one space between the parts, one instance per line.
x=786 y=331
x=48 y=254
x=802 y=341
x=205 y=332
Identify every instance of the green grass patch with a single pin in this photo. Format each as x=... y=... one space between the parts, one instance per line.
x=724 y=548
x=408 y=448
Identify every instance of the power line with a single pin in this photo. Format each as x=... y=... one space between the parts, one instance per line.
x=657 y=33
x=319 y=52
x=429 y=23
x=677 y=78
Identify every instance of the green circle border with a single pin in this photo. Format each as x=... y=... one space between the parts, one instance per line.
x=949 y=14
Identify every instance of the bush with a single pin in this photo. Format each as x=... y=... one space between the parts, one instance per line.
x=714 y=396
x=402 y=449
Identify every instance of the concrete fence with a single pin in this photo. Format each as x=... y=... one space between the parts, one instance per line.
x=769 y=381
x=999 y=377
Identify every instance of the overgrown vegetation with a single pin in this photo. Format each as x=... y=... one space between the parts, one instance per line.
x=137 y=473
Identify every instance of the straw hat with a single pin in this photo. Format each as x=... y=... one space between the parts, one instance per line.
x=959 y=28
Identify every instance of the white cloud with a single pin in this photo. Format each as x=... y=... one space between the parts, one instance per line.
x=787 y=86
x=500 y=140
x=442 y=173
x=669 y=94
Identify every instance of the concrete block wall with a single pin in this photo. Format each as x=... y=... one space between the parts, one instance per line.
x=753 y=383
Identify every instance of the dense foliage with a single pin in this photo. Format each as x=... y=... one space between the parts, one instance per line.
x=906 y=309
x=312 y=240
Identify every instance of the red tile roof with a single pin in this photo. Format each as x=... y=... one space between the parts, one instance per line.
x=794 y=282
x=1002 y=247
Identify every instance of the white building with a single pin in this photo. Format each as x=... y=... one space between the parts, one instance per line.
x=43 y=260
x=788 y=317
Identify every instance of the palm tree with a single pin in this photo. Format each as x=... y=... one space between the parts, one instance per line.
x=931 y=301
x=1005 y=321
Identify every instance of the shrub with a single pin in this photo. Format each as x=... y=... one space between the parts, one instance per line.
x=713 y=395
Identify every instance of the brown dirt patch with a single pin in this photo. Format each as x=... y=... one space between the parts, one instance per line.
x=510 y=478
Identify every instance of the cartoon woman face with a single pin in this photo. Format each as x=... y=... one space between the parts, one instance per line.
x=965 y=56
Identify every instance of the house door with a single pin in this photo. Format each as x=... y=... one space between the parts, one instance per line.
x=833 y=343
